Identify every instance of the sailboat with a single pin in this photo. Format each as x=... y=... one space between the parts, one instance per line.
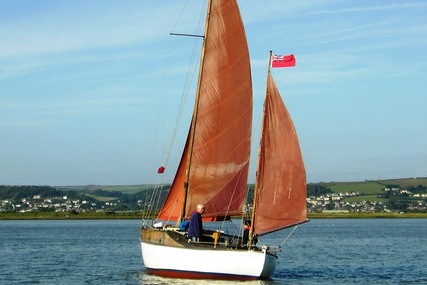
x=213 y=169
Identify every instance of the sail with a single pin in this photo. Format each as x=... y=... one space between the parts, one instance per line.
x=172 y=207
x=281 y=180
x=216 y=156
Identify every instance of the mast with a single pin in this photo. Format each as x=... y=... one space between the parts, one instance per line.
x=195 y=113
x=256 y=190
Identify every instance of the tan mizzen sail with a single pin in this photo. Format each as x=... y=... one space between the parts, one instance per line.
x=280 y=191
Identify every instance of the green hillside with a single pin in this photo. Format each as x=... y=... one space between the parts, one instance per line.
x=405 y=182
x=126 y=189
x=364 y=188
x=371 y=187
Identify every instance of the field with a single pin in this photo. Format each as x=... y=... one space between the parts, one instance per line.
x=126 y=189
x=365 y=188
x=368 y=190
x=369 y=198
x=406 y=182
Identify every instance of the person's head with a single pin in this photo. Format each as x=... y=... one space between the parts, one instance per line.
x=200 y=208
x=247 y=223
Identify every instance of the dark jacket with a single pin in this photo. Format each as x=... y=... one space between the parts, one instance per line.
x=195 y=227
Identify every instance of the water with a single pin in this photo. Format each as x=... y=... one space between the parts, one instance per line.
x=345 y=251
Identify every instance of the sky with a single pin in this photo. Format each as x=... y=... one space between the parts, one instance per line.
x=90 y=91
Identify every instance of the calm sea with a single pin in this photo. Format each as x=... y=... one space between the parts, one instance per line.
x=344 y=251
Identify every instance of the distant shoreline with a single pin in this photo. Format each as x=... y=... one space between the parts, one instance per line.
x=138 y=215
x=366 y=215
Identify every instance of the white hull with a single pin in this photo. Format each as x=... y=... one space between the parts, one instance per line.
x=207 y=263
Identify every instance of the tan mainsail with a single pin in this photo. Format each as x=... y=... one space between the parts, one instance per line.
x=214 y=166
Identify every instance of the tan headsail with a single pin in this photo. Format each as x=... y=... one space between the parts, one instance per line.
x=215 y=161
x=280 y=190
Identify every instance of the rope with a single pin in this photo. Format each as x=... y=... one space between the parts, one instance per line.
x=180 y=15
x=191 y=74
x=289 y=235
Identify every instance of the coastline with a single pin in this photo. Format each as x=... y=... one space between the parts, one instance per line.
x=366 y=215
x=138 y=215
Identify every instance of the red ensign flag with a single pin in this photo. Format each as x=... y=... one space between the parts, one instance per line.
x=283 y=61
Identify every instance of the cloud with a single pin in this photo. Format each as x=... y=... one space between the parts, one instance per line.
x=393 y=6
x=77 y=26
